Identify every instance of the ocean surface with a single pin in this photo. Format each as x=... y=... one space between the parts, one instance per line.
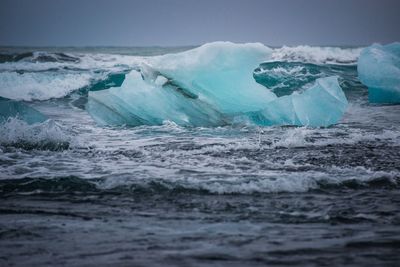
x=74 y=193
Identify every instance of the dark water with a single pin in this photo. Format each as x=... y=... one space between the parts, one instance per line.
x=76 y=194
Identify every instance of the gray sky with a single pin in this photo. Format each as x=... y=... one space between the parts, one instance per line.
x=192 y=22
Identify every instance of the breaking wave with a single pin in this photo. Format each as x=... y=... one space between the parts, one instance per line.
x=41 y=85
x=37 y=57
x=48 y=135
x=317 y=55
x=73 y=184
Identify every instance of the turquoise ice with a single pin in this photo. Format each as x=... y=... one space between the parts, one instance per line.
x=220 y=74
x=379 y=69
x=138 y=102
x=321 y=105
x=11 y=108
x=212 y=85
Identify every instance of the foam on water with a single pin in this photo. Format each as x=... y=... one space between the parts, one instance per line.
x=89 y=62
x=46 y=135
x=309 y=137
x=220 y=160
x=36 y=57
x=284 y=78
x=41 y=85
x=317 y=55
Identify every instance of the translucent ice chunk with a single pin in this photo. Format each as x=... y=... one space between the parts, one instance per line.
x=321 y=105
x=379 y=69
x=138 y=102
x=11 y=108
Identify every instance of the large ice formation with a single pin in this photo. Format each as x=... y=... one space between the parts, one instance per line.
x=212 y=85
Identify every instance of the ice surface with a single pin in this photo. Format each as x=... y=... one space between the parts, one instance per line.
x=321 y=105
x=379 y=69
x=138 y=102
x=220 y=74
x=212 y=85
x=10 y=108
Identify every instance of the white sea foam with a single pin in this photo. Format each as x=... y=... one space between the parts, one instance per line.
x=15 y=131
x=41 y=85
x=262 y=182
x=86 y=62
x=219 y=160
x=279 y=71
x=302 y=137
x=317 y=55
x=295 y=137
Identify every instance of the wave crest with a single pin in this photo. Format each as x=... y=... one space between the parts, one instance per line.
x=48 y=135
x=41 y=85
x=73 y=184
x=317 y=55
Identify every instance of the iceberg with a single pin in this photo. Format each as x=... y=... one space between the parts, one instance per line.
x=199 y=87
x=219 y=73
x=379 y=69
x=11 y=108
x=212 y=85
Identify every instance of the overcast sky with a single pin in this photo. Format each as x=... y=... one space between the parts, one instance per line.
x=193 y=22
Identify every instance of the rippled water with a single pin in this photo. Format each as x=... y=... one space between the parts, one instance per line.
x=73 y=193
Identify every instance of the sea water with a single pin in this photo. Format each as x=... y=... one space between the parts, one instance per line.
x=78 y=192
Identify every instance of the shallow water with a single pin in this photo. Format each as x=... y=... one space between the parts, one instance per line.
x=74 y=193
